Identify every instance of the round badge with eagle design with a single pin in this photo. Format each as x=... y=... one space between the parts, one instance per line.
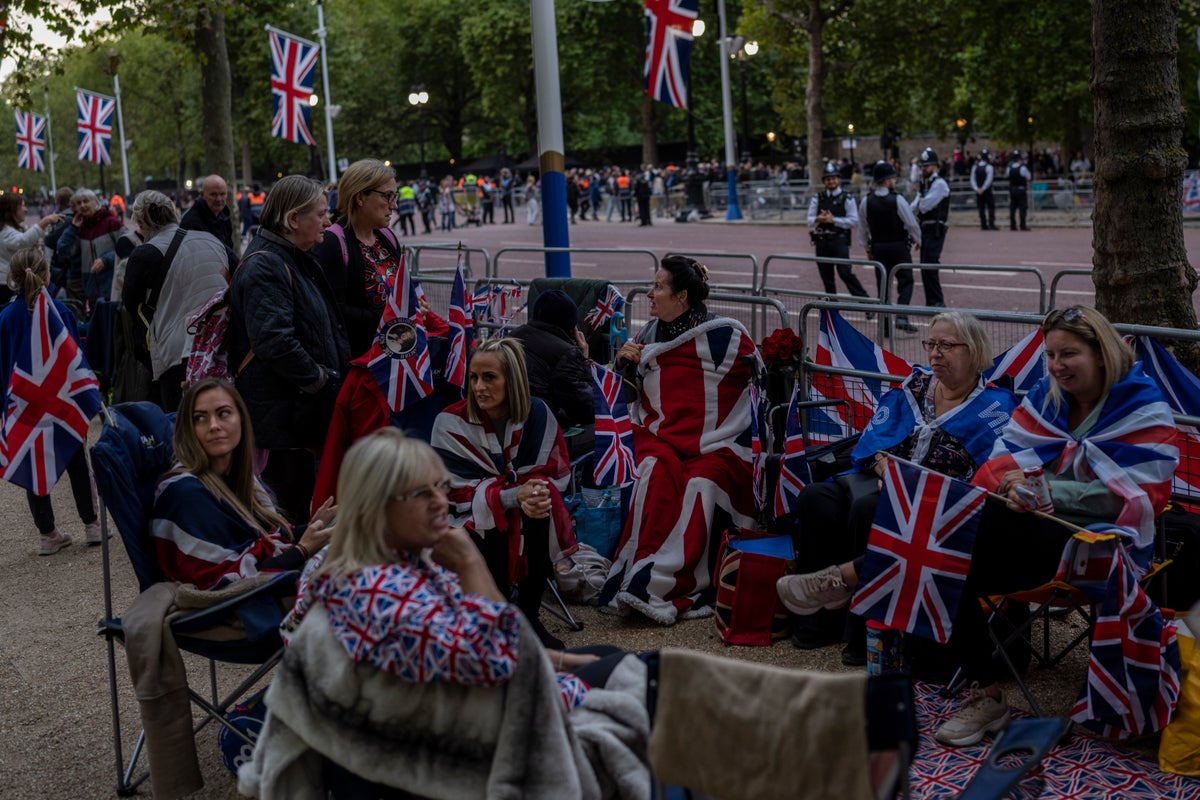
x=398 y=338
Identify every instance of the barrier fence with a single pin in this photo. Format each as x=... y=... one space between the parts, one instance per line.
x=993 y=270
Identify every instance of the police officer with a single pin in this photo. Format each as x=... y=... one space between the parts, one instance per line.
x=832 y=216
x=981 y=182
x=932 y=207
x=886 y=226
x=1018 y=190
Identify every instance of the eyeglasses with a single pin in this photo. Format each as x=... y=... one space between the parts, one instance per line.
x=940 y=346
x=389 y=196
x=425 y=493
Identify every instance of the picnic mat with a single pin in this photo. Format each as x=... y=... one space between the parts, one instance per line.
x=1081 y=768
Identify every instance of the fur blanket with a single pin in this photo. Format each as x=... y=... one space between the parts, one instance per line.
x=441 y=740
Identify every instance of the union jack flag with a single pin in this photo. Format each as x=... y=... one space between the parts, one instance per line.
x=1133 y=678
x=614 y=462
x=293 y=67
x=399 y=356
x=1024 y=362
x=669 y=49
x=841 y=345
x=51 y=397
x=919 y=550
x=497 y=303
x=758 y=464
x=95 y=125
x=1182 y=391
x=793 y=468
x=462 y=329
x=31 y=141
x=610 y=304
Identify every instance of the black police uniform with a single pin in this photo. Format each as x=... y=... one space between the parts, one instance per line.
x=933 y=239
x=1018 y=196
x=985 y=201
x=831 y=241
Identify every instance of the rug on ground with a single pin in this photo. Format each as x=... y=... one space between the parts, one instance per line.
x=1081 y=768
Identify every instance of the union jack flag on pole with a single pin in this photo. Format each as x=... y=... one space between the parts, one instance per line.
x=293 y=69
x=614 y=460
x=919 y=550
x=399 y=357
x=1024 y=362
x=793 y=468
x=95 y=115
x=31 y=141
x=50 y=397
x=669 y=49
x=611 y=303
x=462 y=329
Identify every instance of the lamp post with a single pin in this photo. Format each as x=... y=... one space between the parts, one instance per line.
x=693 y=184
x=417 y=98
x=850 y=128
x=742 y=51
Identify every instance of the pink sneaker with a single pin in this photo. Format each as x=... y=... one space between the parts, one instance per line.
x=92 y=533
x=52 y=542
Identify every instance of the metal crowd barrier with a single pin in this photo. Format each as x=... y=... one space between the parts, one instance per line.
x=701 y=256
x=994 y=269
x=1068 y=273
x=448 y=253
x=724 y=303
x=496 y=259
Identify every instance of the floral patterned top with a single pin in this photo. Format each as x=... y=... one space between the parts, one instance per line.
x=379 y=267
x=411 y=618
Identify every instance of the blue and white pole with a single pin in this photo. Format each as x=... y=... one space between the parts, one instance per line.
x=551 y=159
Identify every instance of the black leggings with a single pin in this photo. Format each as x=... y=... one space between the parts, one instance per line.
x=526 y=594
x=81 y=488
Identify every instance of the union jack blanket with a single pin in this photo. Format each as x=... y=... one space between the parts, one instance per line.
x=1132 y=448
x=482 y=465
x=692 y=441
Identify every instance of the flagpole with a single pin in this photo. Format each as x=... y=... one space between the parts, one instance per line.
x=50 y=142
x=121 y=130
x=551 y=158
x=325 y=85
x=734 y=210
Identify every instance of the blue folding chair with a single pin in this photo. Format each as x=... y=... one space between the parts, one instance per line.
x=134 y=449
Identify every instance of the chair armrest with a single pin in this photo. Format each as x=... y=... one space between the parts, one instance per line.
x=281 y=585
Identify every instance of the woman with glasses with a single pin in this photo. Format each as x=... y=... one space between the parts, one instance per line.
x=508 y=468
x=691 y=423
x=1105 y=440
x=213 y=521
x=945 y=417
x=359 y=253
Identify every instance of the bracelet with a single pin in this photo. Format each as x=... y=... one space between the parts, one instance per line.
x=560 y=660
x=303 y=551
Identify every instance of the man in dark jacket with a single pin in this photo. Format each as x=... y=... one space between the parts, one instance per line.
x=556 y=359
x=209 y=213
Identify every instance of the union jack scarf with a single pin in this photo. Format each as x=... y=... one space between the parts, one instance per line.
x=1132 y=448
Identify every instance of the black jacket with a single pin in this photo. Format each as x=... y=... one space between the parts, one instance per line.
x=558 y=373
x=201 y=218
x=282 y=307
x=347 y=279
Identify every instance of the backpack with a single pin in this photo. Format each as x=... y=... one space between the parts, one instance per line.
x=340 y=234
x=209 y=356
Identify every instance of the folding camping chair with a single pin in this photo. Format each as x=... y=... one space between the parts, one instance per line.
x=133 y=451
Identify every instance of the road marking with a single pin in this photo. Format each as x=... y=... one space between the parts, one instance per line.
x=1054 y=264
x=574 y=263
x=986 y=288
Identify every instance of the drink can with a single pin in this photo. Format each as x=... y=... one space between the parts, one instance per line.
x=1035 y=481
x=885 y=649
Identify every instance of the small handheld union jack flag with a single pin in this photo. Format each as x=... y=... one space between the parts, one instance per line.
x=669 y=49
x=758 y=461
x=50 y=397
x=462 y=329
x=614 y=461
x=611 y=303
x=399 y=356
x=793 y=468
x=293 y=67
x=31 y=141
x=919 y=550
x=95 y=125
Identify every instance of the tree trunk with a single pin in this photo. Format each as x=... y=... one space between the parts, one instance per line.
x=215 y=98
x=814 y=111
x=649 y=125
x=1140 y=265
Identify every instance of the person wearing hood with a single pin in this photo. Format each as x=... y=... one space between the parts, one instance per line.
x=556 y=355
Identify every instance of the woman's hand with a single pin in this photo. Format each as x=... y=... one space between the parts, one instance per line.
x=456 y=552
x=97 y=265
x=48 y=220
x=581 y=342
x=1008 y=487
x=569 y=662
x=325 y=513
x=320 y=529
x=631 y=351
x=533 y=498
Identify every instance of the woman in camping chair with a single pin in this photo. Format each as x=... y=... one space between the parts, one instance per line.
x=691 y=439
x=213 y=520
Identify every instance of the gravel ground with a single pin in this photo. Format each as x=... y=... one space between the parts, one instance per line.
x=55 y=718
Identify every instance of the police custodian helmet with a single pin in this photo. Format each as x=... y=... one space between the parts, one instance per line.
x=985 y=155
x=882 y=171
x=1016 y=155
x=928 y=158
x=831 y=170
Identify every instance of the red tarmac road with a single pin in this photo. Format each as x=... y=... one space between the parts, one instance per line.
x=1050 y=250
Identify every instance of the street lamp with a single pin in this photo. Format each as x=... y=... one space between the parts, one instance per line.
x=418 y=97
x=693 y=186
x=850 y=128
x=741 y=51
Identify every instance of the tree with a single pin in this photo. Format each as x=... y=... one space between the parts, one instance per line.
x=1140 y=266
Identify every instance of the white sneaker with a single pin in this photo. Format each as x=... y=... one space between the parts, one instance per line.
x=808 y=594
x=92 y=533
x=52 y=542
x=979 y=715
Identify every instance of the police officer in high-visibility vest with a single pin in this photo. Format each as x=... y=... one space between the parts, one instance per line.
x=932 y=207
x=982 y=176
x=888 y=228
x=832 y=216
x=1018 y=191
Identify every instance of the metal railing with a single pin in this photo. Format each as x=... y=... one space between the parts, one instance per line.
x=624 y=251
x=1064 y=274
x=754 y=318
x=725 y=256
x=986 y=268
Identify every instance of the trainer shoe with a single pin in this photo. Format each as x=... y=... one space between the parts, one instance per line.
x=92 y=533
x=52 y=542
x=808 y=594
x=979 y=715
